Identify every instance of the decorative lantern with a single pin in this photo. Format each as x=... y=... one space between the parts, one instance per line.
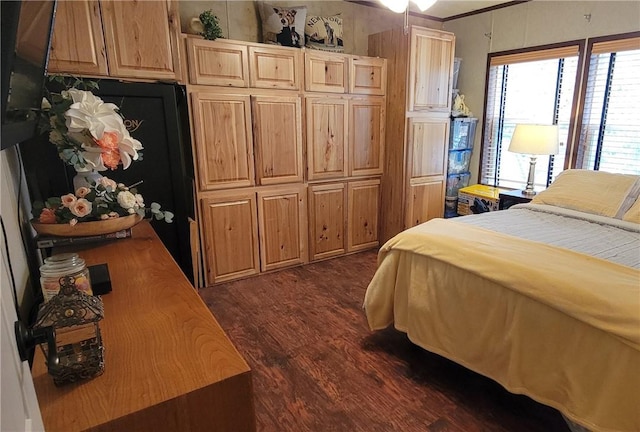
x=74 y=317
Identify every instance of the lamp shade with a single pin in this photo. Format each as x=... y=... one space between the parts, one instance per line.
x=535 y=139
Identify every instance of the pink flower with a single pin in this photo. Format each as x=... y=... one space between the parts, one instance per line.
x=82 y=192
x=68 y=200
x=81 y=208
x=73 y=222
x=47 y=216
x=107 y=182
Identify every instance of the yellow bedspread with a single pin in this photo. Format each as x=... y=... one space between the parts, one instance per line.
x=559 y=326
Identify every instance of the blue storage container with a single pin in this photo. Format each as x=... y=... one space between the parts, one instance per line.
x=463 y=131
x=459 y=161
x=456 y=182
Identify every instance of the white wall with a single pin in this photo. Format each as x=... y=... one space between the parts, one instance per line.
x=9 y=175
x=239 y=20
x=537 y=22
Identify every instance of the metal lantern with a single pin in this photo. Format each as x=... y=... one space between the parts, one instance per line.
x=74 y=317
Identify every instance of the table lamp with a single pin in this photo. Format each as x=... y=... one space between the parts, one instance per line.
x=534 y=139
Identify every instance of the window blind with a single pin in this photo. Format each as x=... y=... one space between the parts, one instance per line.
x=609 y=137
x=537 y=88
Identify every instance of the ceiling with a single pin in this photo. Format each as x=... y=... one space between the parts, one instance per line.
x=445 y=10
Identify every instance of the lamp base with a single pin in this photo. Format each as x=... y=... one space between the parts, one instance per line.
x=528 y=191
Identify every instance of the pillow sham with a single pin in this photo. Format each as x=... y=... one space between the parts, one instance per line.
x=633 y=214
x=324 y=33
x=283 y=25
x=595 y=192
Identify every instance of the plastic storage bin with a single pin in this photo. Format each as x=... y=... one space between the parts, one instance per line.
x=459 y=161
x=463 y=131
x=455 y=182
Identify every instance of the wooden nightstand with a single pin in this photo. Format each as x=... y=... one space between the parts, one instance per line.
x=509 y=198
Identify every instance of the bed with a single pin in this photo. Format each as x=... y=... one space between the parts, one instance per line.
x=544 y=298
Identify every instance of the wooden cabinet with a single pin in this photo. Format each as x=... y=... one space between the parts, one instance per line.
x=327 y=205
x=275 y=68
x=426 y=201
x=155 y=28
x=219 y=63
x=430 y=70
x=277 y=128
x=326 y=72
x=367 y=136
x=364 y=205
x=250 y=138
x=230 y=234
x=77 y=44
x=417 y=132
x=427 y=157
x=367 y=75
x=223 y=140
x=282 y=220
x=140 y=38
x=327 y=120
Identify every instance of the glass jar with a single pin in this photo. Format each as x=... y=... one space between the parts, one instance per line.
x=58 y=266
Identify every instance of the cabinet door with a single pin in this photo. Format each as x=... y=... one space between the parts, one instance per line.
x=326 y=220
x=425 y=202
x=327 y=123
x=427 y=149
x=230 y=235
x=368 y=75
x=275 y=68
x=77 y=44
x=218 y=63
x=222 y=136
x=430 y=70
x=366 y=136
x=282 y=219
x=277 y=125
x=325 y=72
x=142 y=38
x=364 y=205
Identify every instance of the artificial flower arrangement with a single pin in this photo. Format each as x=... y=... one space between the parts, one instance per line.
x=89 y=134
x=103 y=200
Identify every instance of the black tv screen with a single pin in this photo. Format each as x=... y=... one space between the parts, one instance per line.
x=26 y=36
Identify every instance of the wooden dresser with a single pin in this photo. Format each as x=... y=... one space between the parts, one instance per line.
x=168 y=364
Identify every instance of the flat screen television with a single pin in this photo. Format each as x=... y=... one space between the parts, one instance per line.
x=26 y=36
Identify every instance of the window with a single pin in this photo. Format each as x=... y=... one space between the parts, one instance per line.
x=534 y=86
x=609 y=137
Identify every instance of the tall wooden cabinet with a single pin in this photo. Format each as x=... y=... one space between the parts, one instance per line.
x=289 y=149
x=417 y=132
x=117 y=38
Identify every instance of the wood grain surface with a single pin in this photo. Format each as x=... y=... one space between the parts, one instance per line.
x=317 y=367
x=168 y=364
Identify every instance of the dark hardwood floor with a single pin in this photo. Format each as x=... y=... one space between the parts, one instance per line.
x=317 y=367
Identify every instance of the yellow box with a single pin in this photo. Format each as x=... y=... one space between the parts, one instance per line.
x=478 y=199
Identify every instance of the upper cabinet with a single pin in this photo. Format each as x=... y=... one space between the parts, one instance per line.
x=430 y=70
x=221 y=63
x=325 y=72
x=275 y=68
x=140 y=39
x=368 y=75
x=77 y=44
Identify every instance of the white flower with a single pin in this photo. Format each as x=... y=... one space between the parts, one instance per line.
x=126 y=199
x=90 y=112
x=139 y=200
